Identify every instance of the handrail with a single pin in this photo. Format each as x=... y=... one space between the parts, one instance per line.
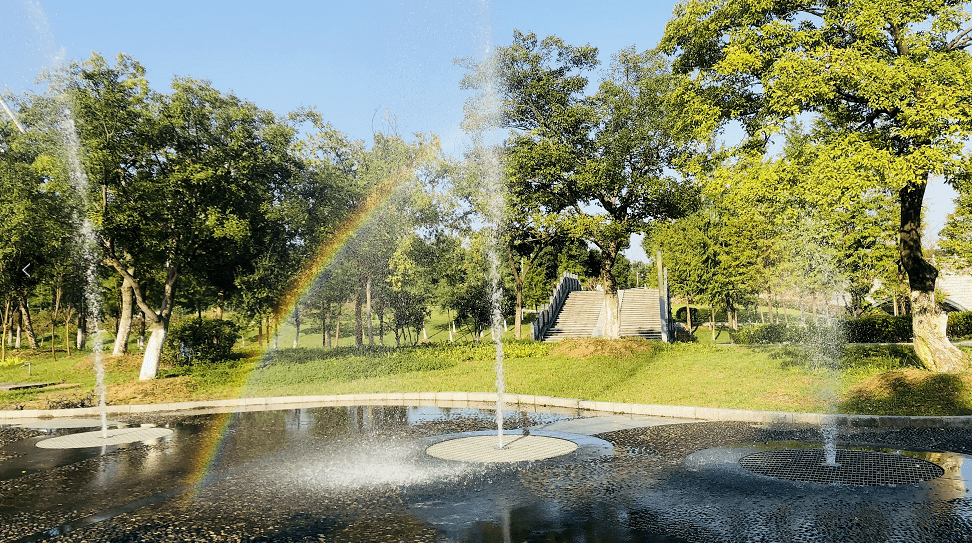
x=545 y=318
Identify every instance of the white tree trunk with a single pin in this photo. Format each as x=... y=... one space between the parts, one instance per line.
x=297 y=324
x=612 y=324
x=153 y=351
x=125 y=321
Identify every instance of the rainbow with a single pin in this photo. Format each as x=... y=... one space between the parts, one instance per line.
x=317 y=264
x=359 y=215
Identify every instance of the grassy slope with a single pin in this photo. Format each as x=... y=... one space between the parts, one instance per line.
x=871 y=380
x=881 y=380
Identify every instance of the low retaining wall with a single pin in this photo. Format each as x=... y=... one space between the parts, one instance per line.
x=487 y=400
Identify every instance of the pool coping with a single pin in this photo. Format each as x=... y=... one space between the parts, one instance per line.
x=487 y=400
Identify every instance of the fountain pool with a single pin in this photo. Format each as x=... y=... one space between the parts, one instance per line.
x=364 y=474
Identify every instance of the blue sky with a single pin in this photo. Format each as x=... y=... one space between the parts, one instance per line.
x=359 y=62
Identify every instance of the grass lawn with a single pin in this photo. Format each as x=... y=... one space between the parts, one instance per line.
x=883 y=380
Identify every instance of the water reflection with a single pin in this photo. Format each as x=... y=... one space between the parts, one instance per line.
x=360 y=474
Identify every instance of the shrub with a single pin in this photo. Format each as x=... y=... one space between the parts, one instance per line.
x=878 y=329
x=697 y=316
x=682 y=333
x=763 y=334
x=12 y=361
x=197 y=340
x=960 y=324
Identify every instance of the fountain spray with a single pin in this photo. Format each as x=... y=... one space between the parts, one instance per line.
x=79 y=180
x=12 y=116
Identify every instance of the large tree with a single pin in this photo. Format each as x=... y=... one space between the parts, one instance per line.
x=600 y=166
x=36 y=206
x=200 y=193
x=891 y=80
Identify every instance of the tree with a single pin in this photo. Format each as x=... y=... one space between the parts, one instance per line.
x=599 y=166
x=36 y=207
x=955 y=239
x=892 y=82
x=198 y=194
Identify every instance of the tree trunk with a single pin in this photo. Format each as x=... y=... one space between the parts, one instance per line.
x=518 y=278
x=296 y=324
x=125 y=320
x=6 y=328
x=712 y=321
x=325 y=324
x=260 y=332
x=82 y=327
x=612 y=304
x=141 y=331
x=67 y=329
x=381 y=325
x=371 y=332
x=25 y=321
x=337 y=328
x=688 y=314
x=928 y=321
x=153 y=351
x=158 y=321
x=358 y=322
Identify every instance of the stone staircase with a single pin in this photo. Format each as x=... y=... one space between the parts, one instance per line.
x=581 y=313
x=578 y=317
x=640 y=314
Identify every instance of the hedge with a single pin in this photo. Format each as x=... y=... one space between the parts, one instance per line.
x=868 y=329
x=197 y=340
x=960 y=325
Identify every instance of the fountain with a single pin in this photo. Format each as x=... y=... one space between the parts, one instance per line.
x=386 y=473
x=367 y=473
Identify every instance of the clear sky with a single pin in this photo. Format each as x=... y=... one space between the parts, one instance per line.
x=360 y=62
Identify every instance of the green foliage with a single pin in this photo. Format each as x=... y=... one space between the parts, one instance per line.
x=697 y=315
x=867 y=329
x=195 y=340
x=12 y=361
x=955 y=239
x=887 y=85
x=763 y=334
x=599 y=167
x=878 y=329
x=960 y=325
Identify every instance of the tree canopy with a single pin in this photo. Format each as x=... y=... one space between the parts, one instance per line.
x=890 y=81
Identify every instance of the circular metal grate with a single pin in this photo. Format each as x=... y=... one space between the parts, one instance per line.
x=862 y=468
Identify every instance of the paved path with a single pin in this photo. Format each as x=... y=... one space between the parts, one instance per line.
x=6 y=387
x=599 y=424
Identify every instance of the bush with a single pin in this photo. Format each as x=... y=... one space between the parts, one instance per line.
x=960 y=325
x=200 y=340
x=12 y=361
x=869 y=329
x=683 y=334
x=878 y=329
x=763 y=334
x=697 y=316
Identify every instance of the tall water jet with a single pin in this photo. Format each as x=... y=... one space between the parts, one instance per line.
x=483 y=115
x=79 y=181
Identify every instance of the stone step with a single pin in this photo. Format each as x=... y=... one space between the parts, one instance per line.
x=582 y=310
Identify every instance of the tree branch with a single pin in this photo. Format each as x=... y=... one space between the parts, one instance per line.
x=961 y=41
x=136 y=288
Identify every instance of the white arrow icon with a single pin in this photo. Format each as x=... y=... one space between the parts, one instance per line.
x=25 y=269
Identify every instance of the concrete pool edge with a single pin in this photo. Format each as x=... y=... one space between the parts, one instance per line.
x=487 y=400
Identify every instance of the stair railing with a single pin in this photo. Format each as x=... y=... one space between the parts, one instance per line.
x=545 y=318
